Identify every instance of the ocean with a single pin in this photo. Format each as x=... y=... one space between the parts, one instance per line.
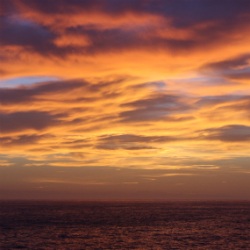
x=124 y=225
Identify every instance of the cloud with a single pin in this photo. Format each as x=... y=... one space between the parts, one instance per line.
x=32 y=31
x=222 y=99
x=146 y=84
x=232 y=68
x=22 y=140
x=22 y=32
x=26 y=34
x=191 y=11
x=233 y=63
x=122 y=39
x=230 y=108
x=166 y=101
x=229 y=133
x=243 y=74
x=28 y=94
x=243 y=105
x=158 y=107
x=35 y=120
x=131 y=142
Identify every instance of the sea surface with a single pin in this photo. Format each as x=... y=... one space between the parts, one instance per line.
x=124 y=225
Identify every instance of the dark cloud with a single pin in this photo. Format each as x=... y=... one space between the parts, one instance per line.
x=233 y=105
x=232 y=68
x=23 y=139
x=239 y=74
x=141 y=38
x=231 y=63
x=7 y=7
x=32 y=37
x=244 y=105
x=26 y=33
x=130 y=141
x=185 y=12
x=170 y=102
x=230 y=133
x=155 y=108
x=226 y=16
x=64 y=6
x=130 y=38
x=143 y=115
x=41 y=91
x=26 y=94
x=76 y=144
x=197 y=11
x=18 y=121
x=236 y=105
x=126 y=147
x=222 y=99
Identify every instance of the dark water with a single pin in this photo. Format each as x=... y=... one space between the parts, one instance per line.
x=124 y=225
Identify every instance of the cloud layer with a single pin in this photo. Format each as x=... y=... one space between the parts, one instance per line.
x=143 y=85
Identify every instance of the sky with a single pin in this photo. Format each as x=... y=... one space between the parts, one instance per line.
x=125 y=99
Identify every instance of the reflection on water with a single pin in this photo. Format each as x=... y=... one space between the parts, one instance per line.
x=124 y=225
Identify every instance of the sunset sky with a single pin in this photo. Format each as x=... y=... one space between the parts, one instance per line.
x=125 y=99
